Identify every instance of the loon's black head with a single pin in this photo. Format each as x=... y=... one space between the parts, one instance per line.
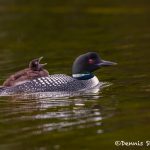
x=89 y=62
x=35 y=64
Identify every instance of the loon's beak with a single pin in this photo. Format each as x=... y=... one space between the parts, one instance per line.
x=106 y=63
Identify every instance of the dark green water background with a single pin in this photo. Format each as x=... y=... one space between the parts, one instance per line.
x=60 y=30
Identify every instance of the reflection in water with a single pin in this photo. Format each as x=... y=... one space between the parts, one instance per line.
x=37 y=116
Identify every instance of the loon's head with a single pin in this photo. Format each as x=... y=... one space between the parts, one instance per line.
x=85 y=64
x=35 y=64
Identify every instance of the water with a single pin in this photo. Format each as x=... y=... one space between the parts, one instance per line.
x=60 y=31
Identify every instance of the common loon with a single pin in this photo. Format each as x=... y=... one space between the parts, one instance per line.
x=35 y=70
x=82 y=78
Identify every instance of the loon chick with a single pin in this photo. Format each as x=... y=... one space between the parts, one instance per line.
x=35 y=70
x=82 y=78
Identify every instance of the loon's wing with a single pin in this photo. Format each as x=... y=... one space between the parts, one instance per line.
x=52 y=83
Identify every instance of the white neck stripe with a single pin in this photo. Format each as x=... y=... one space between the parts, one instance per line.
x=79 y=75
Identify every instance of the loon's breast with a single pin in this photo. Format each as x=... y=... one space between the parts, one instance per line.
x=53 y=83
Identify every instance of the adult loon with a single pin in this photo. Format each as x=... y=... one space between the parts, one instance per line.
x=82 y=78
x=35 y=70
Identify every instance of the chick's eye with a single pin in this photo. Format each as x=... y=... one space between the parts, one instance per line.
x=91 y=61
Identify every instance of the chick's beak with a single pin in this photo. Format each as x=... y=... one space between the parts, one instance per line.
x=42 y=65
x=39 y=59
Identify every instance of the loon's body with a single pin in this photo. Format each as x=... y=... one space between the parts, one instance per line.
x=35 y=70
x=53 y=83
x=82 y=78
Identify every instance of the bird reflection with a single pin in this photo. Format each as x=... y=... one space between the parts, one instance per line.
x=36 y=116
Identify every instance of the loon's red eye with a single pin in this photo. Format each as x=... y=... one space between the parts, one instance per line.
x=91 y=61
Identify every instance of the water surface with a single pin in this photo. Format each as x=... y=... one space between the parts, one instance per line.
x=60 y=31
